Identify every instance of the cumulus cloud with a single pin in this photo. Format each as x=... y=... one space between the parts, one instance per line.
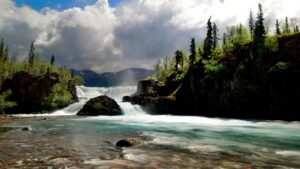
x=133 y=34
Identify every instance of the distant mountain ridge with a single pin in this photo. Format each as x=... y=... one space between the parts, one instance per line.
x=125 y=77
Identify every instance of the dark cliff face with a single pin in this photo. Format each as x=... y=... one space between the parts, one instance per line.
x=28 y=91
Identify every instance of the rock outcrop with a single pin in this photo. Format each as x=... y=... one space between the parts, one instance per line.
x=146 y=88
x=154 y=97
x=101 y=105
x=28 y=91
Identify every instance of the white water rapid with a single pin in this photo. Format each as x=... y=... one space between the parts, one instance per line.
x=86 y=93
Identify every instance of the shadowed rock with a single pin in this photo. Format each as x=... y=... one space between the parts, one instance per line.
x=128 y=142
x=101 y=105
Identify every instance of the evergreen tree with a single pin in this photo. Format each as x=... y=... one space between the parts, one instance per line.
x=1 y=49
x=208 y=42
x=72 y=73
x=193 y=51
x=240 y=29
x=215 y=36
x=278 y=31
x=5 y=54
x=259 y=33
x=200 y=51
x=259 y=30
x=224 y=40
x=287 y=29
x=251 y=23
x=178 y=59
x=296 y=29
x=31 y=54
x=52 y=61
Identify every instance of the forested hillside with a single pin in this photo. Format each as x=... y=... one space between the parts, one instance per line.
x=248 y=73
x=33 y=85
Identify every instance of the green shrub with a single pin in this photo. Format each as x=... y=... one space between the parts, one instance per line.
x=4 y=103
x=59 y=97
x=212 y=67
x=237 y=36
x=280 y=67
x=78 y=80
x=271 y=44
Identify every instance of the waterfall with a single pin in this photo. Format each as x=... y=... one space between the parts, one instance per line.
x=86 y=93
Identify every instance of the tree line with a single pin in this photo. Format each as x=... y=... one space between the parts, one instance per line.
x=233 y=39
x=34 y=65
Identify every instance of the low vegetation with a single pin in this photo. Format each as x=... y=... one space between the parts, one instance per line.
x=36 y=67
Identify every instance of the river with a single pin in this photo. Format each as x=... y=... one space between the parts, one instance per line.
x=67 y=141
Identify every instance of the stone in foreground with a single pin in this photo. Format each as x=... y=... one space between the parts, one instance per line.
x=101 y=105
x=129 y=142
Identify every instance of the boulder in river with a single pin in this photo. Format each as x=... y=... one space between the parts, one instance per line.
x=128 y=142
x=102 y=105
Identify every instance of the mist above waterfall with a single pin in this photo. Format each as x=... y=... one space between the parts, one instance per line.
x=126 y=77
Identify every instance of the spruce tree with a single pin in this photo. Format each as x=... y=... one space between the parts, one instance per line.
x=52 y=60
x=278 y=31
x=215 y=36
x=5 y=54
x=200 y=52
x=208 y=42
x=31 y=54
x=240 y=29
x=259 y=33
x=193 y=51
x=297 y=28
x=1 y=49
x=224 y=40
x=259 y=30
x=178 y=59
x=251 y=23
x=287 y=29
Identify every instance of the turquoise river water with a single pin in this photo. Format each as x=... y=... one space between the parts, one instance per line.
x=67 y=141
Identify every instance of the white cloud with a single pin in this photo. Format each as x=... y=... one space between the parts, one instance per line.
x=134 y=34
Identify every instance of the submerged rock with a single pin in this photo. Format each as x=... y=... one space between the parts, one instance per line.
x=126 y=99
x=101 y=105
x=27 y=128
x=128 y=142
x=7 y=128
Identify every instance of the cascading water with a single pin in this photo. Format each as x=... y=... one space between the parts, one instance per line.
x=86 y=93
x=117 y=93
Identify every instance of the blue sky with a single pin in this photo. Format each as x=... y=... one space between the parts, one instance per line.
x=60 y=4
